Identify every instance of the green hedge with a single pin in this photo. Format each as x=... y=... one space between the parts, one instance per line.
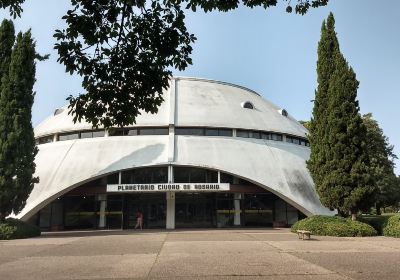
x=378 y=222
x=393 y=226
x=15 y=229
x=333 y=226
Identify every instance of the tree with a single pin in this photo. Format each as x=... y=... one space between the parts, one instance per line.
x=328 y=46
x=339 y=158
x=382 y=165
x=125 y=50
x=17 y=143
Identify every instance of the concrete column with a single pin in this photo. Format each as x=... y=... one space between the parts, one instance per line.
x=170 y=222
x=103 y=206
x=236 y=219
x=55 y=137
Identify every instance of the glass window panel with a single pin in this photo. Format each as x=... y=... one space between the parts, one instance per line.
x=181 y=175
x=189 y=131
x=256 y=134
x=154 y=131
x=86 y=134
x=160 y=175
x=289 y=139
x=296 y=141
x=113 y=178
x=212 y=132
x=131 y=132
x=242 y=133
x=116 y=132
x=276 y=137
x=98 y=133
x=127 y=177
x=197 y=175
x=68 y=136
x=225 y=132
x=44 y=140
x=226 y=178
x=212 y=176
x=266 y=136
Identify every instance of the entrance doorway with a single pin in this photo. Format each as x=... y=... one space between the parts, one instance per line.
x=152 y=205
x=195 y=210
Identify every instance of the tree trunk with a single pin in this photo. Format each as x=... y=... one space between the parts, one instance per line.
x=378 y=209
x=353 y=216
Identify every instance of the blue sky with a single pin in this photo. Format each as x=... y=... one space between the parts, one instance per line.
x=269 y=51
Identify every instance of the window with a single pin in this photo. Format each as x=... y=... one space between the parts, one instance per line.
x=146 y=175
x=117 y=132
x=242 y=133
x=153 y=131
x=225 y=132
x=44 y=140
x=189 y=131
x=87 y=134
x=283 y=112
x=212 y=132
x=256 y=134
x=248 y=105
x=266 y=136
x=131 y=132
x=194 y=175
x=218 y=132
x=68 y=136
x=276 y=137
x=98 y=133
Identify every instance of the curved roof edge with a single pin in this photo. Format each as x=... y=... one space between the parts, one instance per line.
x=214 y=81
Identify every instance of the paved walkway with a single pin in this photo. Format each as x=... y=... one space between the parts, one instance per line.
x=199 y=254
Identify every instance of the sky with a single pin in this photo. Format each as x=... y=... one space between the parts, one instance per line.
x=269 y=51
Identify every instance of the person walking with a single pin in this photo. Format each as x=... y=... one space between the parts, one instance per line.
x=139 y=219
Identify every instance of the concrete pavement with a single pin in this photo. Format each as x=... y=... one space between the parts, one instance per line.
x=198 y=254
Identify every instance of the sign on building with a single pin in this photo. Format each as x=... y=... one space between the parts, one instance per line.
x=192 y=187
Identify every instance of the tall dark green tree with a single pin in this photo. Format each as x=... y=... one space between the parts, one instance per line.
x=328 y=46
x=382 y=165
x=17 y=144
x=339 y=162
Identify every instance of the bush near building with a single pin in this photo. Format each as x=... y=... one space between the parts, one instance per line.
x=16 y=229
x=378 y=222
x=334 y=226
x=392 y=227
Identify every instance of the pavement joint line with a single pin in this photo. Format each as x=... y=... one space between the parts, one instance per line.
x=333 y=271
x=297 y=257
x=158 y=255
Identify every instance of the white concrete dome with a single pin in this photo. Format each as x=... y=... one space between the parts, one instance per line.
x=251 y=152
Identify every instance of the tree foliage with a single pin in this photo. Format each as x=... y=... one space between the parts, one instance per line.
x=381 y=164
x=125 y=51
x=339 y=162
x=17 y=143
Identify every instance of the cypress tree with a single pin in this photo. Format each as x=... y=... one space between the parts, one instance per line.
x=328 y=46
x=339 y=159
x=17 y=143
x=348 y=180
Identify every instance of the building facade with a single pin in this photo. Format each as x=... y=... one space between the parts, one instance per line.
x=215 y=155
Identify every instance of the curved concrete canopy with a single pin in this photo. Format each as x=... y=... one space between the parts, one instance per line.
x=276 y=166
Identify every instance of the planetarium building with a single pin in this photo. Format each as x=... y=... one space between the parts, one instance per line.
x=215 y=155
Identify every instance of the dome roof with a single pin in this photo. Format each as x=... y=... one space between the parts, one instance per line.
x=198 y=102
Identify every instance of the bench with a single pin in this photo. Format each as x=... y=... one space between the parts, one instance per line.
x=304 y=233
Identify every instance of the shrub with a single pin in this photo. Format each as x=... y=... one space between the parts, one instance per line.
x=377 y=222
x=16 y=229
x=334 y=226
x=392 y=227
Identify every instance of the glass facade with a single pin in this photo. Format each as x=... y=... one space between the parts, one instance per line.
x=90 y=207
x=194 y=175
